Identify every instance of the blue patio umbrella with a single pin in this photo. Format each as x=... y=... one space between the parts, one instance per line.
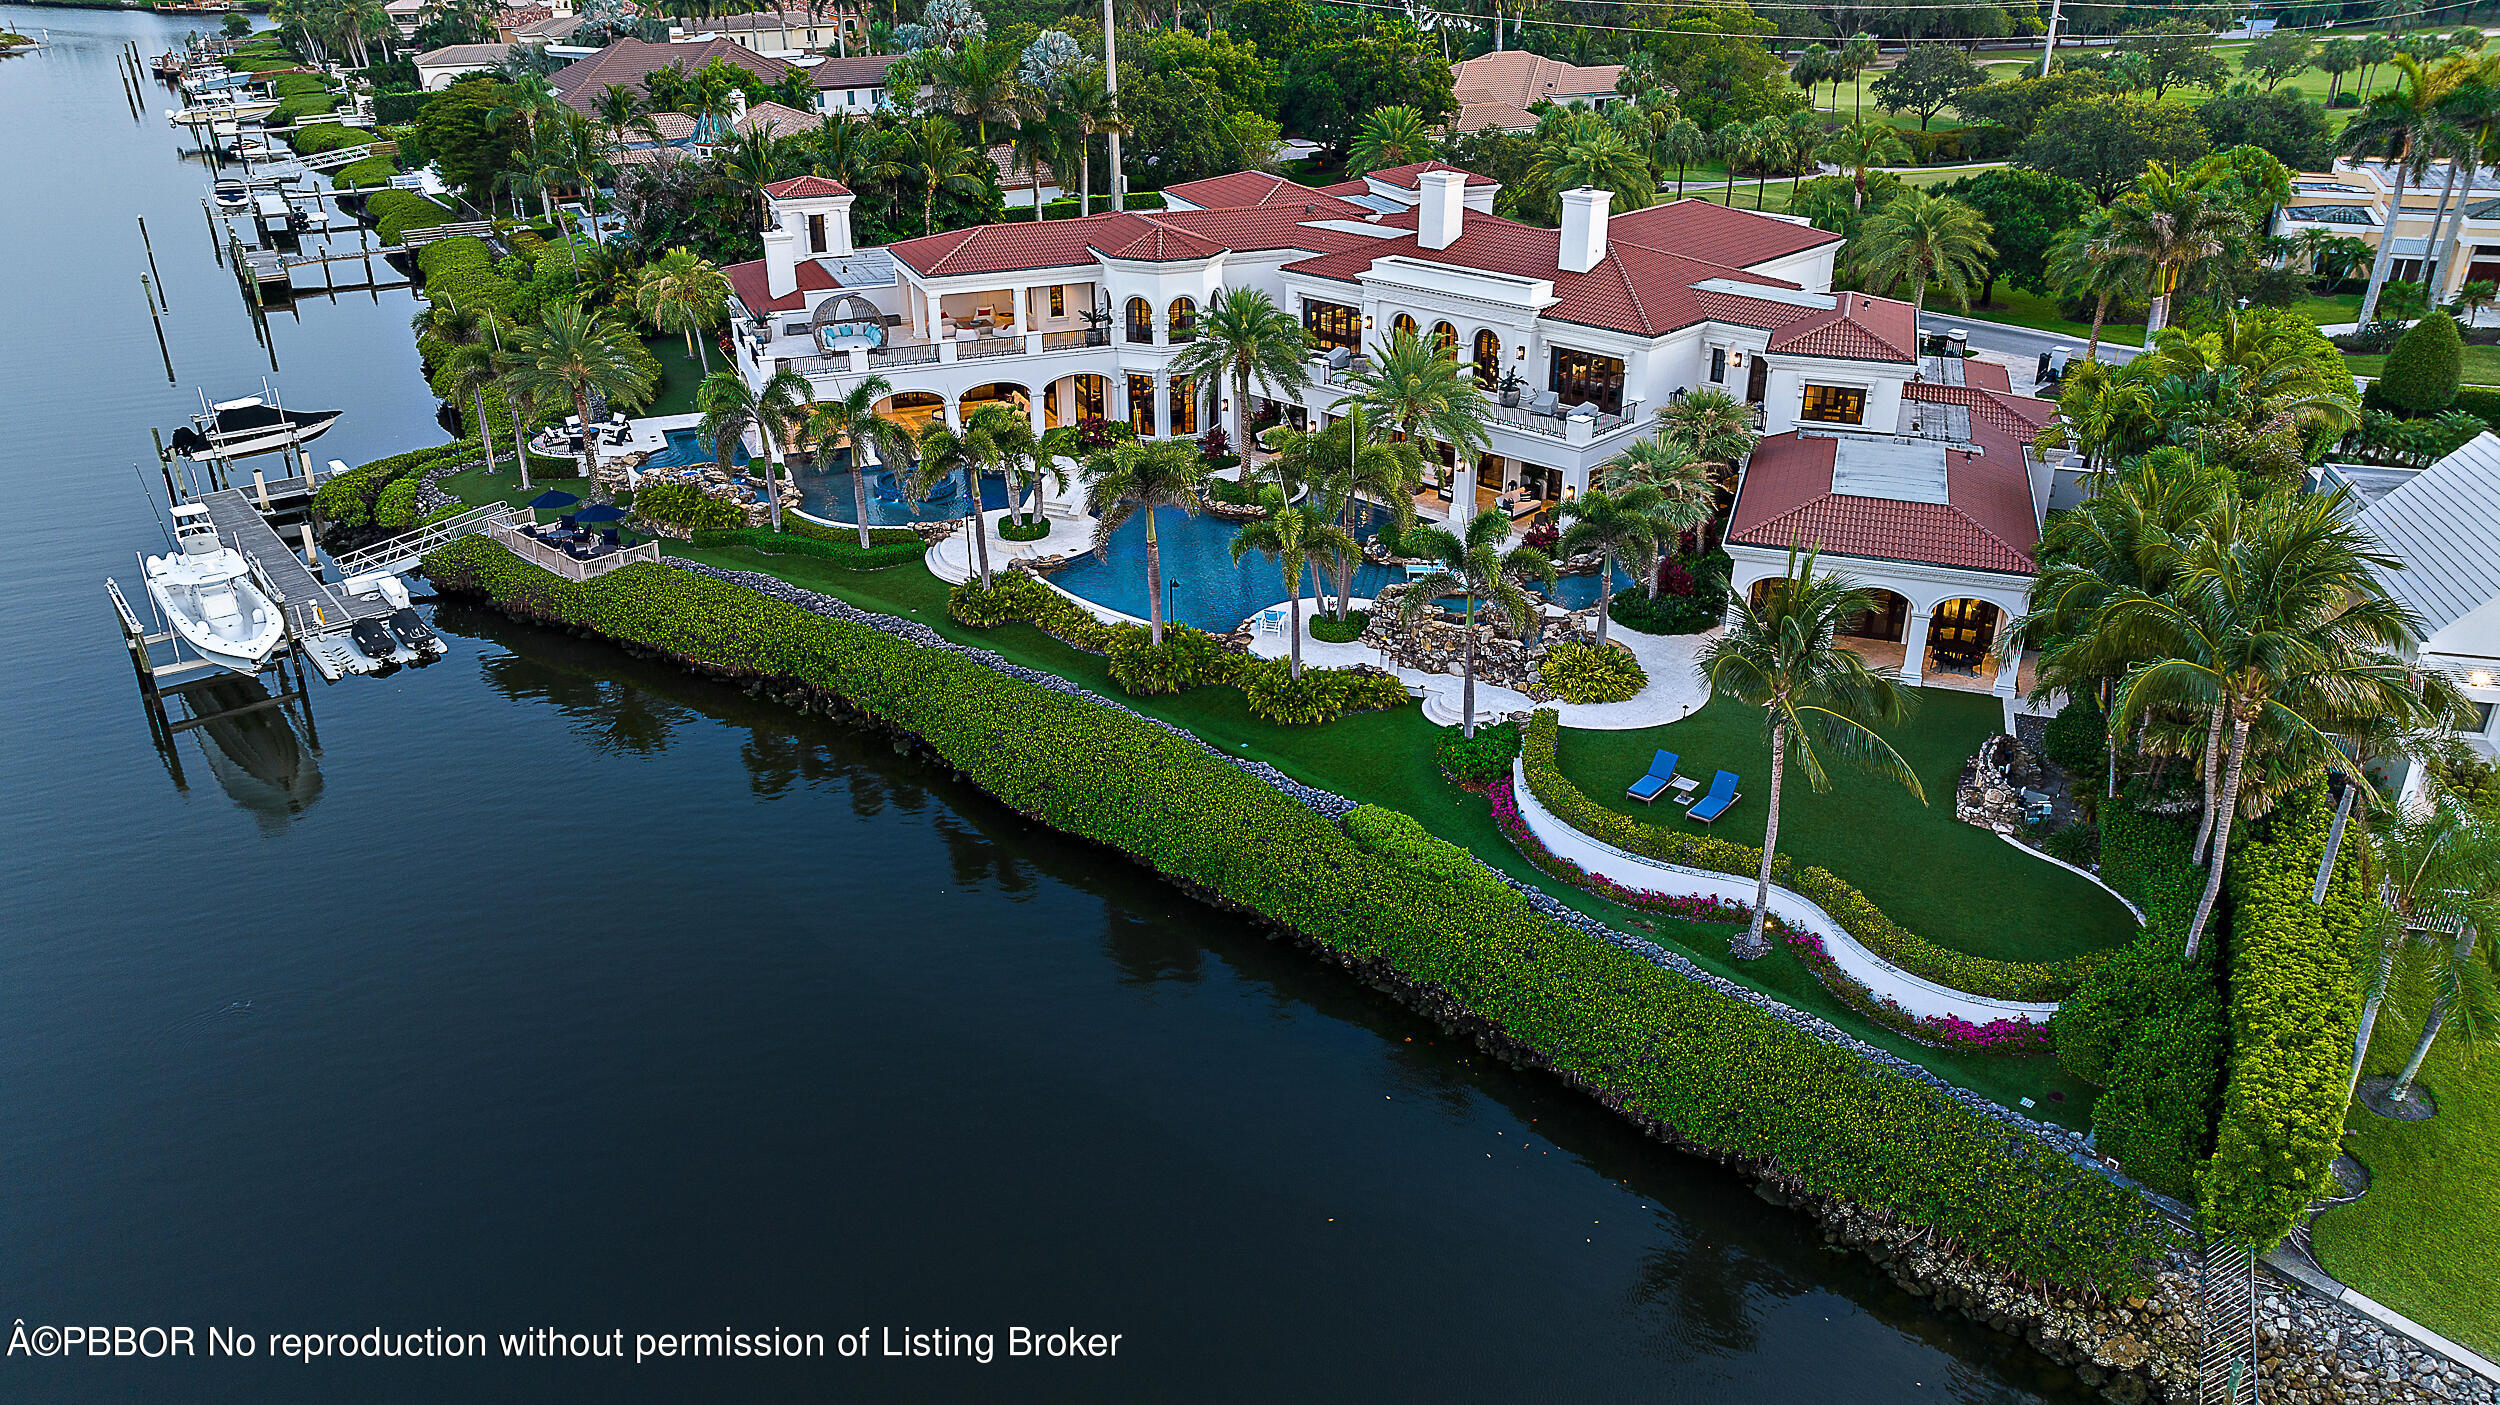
x=601 y=512
x=553 y=497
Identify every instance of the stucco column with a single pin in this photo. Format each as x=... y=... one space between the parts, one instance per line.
x=1914 y=645
x=1463 y=489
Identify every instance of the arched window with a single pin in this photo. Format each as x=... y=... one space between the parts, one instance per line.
x=1404 y=323
x=1184 y=320
x=1141 y=321
x=1445 y=340
x=1488 y=358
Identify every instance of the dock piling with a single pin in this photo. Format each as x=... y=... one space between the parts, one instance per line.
x=149 y=293
x=150 y=247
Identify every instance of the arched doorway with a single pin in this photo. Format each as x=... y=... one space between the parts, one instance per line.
x=1890 y=615
x=1184 y=320
x=1404 y=323
x=1445 y=340
x=1073 y=398
x=1959 y=635
x=913 y=409
x=1488 y=358
x=1141 y=322
x=996 y=393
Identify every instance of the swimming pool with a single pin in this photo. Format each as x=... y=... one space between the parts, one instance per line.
x=1215 y=593
x=826 y=493
x=688 y=446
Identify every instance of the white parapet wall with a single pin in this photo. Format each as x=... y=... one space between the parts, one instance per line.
x=1916 y=994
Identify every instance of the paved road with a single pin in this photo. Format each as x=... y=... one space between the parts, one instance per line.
x=2018 y=341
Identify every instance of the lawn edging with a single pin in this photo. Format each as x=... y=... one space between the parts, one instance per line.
x=1696 y=1059
x=1839 y=906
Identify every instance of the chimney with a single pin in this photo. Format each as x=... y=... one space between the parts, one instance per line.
x=781 y=262
x=1443 y=212
x=737 y=107
x=1583 y=229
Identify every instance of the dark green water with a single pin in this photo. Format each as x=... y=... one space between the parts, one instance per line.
x=559 y=991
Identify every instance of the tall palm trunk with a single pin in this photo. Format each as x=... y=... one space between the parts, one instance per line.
x=1085 y=173
x=2376 y=1000
x=2100 y=312
x=1754 y=944
x=590 y=439
x=1605 y=596
x=2159 y=316
x=772 y=461
x=484 y=435
x=1294 y=608
x=2439 y=221
x=1154 y=582
x=2447 y=248
x=2228 y=806
x=2213 y=780
x=980 y=529
x=2430 y=1027
x=2386 y=258
x=859 y=491
x=1467 y=676
x=520 y=445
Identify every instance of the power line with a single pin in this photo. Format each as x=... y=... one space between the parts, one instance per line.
x=1409 y=11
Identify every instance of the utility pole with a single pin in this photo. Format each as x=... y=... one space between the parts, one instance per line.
x=2048 y=49
x=1111 y=89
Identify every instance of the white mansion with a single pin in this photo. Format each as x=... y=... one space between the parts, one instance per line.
x=1582 y=332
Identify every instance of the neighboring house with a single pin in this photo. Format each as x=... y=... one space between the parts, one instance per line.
x=436 y=68
x=407 y=15
x=790 y=32
x=2438 y=524
x=777 y=119
x=546 y=30
x=632 y=62
x=852 y=86
x=1022 y=187
x=2351 y=201
x=1497 y=90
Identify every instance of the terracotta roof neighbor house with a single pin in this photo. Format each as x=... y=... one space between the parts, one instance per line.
x=1890 y=499
x=1496 y=90
x=806 y=188
x=632 y=62
x=777 y=119
x=856 y=71
x=1245 y=190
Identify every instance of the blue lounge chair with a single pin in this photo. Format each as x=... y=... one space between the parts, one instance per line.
x=1722 y=794
x=1661 y=770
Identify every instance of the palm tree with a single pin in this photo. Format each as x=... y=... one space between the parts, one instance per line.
x=1292 y=536
x=2278 y=615
x=1147 y=474
x=1340 y=463
x=1683 y=495
x=1024 y=459
x=1777 y=147
x=1476 y=567
x=730 y=405
x=1390 y=136
x=853 y=419
x=2086 y=262
x=462 y=331
x=2439 y=877
x=2164 y=226
x=1815 y=697
x=1597 y=159
x=618 y=107
x=1858 y=149
x=2472 y=111
x=2404 y=127
x=1812 y=69
x=933 y=155
x=1424 y=394
x=573 y=354
x=1682 y=143
x=969 y=452
x=1084 y=98
x=1245 y=339
x=1855 y=57
x=1618 y=524
x=1920 y=238
x=1044 y=137
x=1736 y=145
x=1712 y=425
x=979 y=82
x=683 y=291
x=848 y=151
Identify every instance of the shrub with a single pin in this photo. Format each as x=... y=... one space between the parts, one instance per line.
x=1480 y=760
x=1232 y=492
x=1019 y=597
x=395 y=212
x=1582 y=672
x=1328 y=629
x=313 y=104
x=685 y=505
x=347 y=502
x=1321 y=694
x=2076 y=738
x=1856 y=914
x=2482 y=402
x=1634 y=609
x=397 y=109
x=1730 y=1078
x=1402 y=840
x=1009 y=529
x=1187 y=658
x=842 y=550
x=371 y=171
x=2420 y=377
x=395 y=508
x=326 y=136
x=2078 y=844
x=2295 y=1007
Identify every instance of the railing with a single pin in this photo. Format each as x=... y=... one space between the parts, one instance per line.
x=549 y=559
x=2227 y=1346
x=915 y=354
x=1075 y=340
x=411 y=546
x=419 y=238
x=987 y=347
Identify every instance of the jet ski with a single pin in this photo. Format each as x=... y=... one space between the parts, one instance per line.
x=411 y=631
x=374 y=639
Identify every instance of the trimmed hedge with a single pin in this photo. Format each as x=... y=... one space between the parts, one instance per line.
x=685 y=505
x=2145 y=1025
x=1581 y=672
x=2295 y=1009
x=399 y=109
x=395 y=212
x=1402 y=839
x=2420 y=375
x=318 y=103
x=1853 y=910
x=1478 y=760
x=2077 y=740
x=887 y=546
x=349 y=500
x=326 y=136
x=366 y=174
x=1728 y=1077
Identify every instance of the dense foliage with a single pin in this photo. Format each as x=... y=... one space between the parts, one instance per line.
x=1582 y=672
x=1725 y=1075
x=686 y=505
x=2077 y=740
x=2421 y=374
x=1477 y=760
x=347 y=502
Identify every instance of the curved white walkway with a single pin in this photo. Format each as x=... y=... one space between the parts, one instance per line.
x=1916 y=994
x=951 y=560
x=1676 y=687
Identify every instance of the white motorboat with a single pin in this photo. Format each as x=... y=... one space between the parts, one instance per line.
x=206 y=590
x=239 y=429
x=232 y=196
x=210 y=107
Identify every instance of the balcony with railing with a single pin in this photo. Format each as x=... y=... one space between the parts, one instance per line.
x=1561 y=424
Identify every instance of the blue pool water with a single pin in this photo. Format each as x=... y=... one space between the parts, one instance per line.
x=688 y=446
x=826 y=493
x=1215 y=593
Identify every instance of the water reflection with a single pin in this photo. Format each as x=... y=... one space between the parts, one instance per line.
x=257 y=757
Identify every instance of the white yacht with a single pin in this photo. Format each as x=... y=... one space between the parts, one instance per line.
x=206 y=590
x=240 y=429
x=209 y=107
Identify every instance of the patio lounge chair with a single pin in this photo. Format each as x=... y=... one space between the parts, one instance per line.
x=1661 y=771
x=1722 y=794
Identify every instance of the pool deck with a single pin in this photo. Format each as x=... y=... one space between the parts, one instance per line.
x=1676 y=686
x=951 y=559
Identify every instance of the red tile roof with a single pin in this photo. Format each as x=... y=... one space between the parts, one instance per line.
x=1125 y=234
x=1243 y=190
x=1638 y=290
x=754 y=289
x=2018 y=416
x=631 y=61
x=806 y=188
x=1411 y=177
x=1857 y=328
x=1701 y=230
x=1986 y=524
x=855 y=71
x=1987 y=375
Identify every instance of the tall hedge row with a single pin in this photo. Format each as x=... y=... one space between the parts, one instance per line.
x=1856 y=913
x=1726 y=1075
x=2295 y=1008
x=348 y=500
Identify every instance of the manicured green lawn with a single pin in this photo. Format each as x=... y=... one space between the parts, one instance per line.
x=1955 y=884
x=679 y=375
x=478 y=487
x=2425 y=1240
x=2481 y=365
x=1386 y=758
